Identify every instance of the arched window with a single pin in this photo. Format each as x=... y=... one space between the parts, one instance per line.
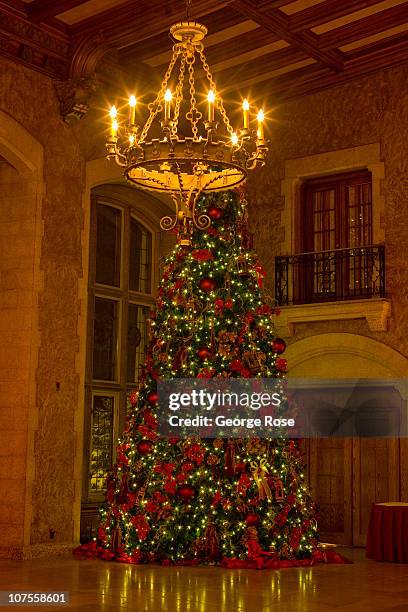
x=121 y=284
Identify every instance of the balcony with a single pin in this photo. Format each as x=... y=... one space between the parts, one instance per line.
x=333 y=285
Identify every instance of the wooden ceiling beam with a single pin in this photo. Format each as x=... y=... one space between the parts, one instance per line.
x=235 y=48
x=238 y=45
x=252 y=70
x=42 y=10
x=364 y=27
x=376 y=53
x=135 y=21
x=311 y=79
x=156 y=44
x=270 y=4
x=324 y=12
x=275 y=21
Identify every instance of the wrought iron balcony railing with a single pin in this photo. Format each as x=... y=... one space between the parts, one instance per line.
x=327 y=276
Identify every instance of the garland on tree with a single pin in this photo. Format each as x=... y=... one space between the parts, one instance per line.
x=237 y=502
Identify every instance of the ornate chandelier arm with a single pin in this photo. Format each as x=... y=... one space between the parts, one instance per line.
x=258 y=157
x=114 y=153
x=168 y=223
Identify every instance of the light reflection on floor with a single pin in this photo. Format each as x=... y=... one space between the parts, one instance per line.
x=365 y=586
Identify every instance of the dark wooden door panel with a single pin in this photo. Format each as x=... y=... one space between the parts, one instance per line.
x=329 y=461
x=375 y=479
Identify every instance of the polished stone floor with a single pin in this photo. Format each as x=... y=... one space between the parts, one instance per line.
x=364 y=586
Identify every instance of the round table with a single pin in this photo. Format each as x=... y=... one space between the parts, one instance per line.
x=387 y=536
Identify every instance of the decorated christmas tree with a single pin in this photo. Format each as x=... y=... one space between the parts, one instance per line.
x=239 y=501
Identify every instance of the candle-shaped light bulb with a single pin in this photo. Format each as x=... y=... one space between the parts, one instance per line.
x=131 y=140
x=245 y=108
x=114 y=128
x=132 y=109
x=113 y=112
x=260 y=132
x=167 y=104
x=234 y=139
x=211 y=100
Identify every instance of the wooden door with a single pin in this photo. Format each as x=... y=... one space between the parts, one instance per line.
x=375 y=479
x=336 y=217
x=330 y=479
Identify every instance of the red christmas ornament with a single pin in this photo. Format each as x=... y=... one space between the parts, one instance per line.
x=215 y=213
x=207 y=284
x=278 y=346
x=281 y=364
x=145 y=447
x=236 y=365
x=228 y=303
x=133 y=397
x=153 y=397
x=204 y=352
x=186 y=492
x=202 y=254
x=252 y=519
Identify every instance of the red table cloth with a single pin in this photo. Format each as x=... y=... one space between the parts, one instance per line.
x=387 y=537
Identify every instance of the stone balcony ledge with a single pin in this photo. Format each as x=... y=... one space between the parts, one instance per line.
x=376 y=311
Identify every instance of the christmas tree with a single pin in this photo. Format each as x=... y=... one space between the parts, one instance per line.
x=241 y=502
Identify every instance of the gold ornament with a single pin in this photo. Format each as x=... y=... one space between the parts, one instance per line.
x=213 y=460
x=226 y=341
x=243 y=266
x=254 y=360
x=250 y=535
x=277 y=485
x=116 y=539
x=191 y=308
x=260 y=472
x=255 y=446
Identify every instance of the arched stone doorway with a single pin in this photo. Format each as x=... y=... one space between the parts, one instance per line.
x=21 y=191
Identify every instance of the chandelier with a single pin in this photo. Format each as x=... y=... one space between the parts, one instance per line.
x=183 y=149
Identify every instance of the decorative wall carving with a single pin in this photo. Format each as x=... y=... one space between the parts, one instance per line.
x=75 y=96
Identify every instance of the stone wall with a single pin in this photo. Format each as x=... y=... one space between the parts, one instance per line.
x=32 y=514
x=373 y=109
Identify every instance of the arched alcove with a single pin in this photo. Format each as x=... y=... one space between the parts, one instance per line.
x=337 y=355
x=21 y=190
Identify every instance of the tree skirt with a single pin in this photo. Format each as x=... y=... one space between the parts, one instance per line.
x=263 y=560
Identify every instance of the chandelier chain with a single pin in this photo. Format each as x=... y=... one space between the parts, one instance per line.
x=218 y=100
x=179 y=97
x=156 y=106
x=193 y=115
